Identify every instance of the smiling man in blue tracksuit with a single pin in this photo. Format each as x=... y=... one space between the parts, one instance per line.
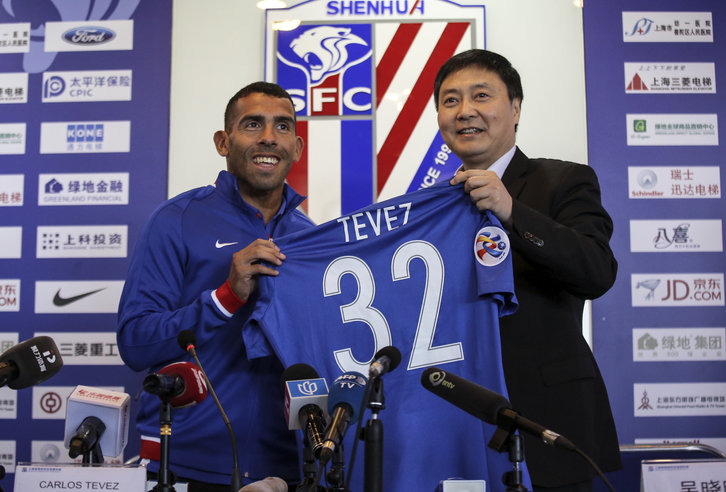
x=195 y=267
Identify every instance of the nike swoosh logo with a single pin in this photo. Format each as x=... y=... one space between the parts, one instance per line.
x=222 y=245
x=64 y=301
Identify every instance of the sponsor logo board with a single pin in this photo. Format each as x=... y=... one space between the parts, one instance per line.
x=81 y=296
x=83 y=189
x=677 y=289
x=11 y=242
x=676 y=236
x=672 y=129
x=82 y=241
x=12 y=188
x=97 y=348
x=87 y=85
x=12 y=138
x=670 y=78
x=94 y=35
x=85 y=137
x=667 y=27
x=9 y=297
x=678 y=344
x=14 y=37
x=646 y=182
x=679 y=399
x=13 y=88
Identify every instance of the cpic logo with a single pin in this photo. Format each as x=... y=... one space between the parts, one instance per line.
x=327 y=69
x=54 y=87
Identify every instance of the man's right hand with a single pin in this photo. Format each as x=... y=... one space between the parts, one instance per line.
x=246 y=266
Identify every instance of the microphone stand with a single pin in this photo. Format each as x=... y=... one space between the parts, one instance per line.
x=336 y=476
x=373 y=437
x=93 y=456
x=310 y=469
x=505 y=439
x=165 y=482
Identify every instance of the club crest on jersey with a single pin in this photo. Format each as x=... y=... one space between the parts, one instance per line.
x=491 y=246
x=327 y=68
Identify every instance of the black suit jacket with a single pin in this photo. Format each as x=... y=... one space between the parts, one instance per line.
x=561 y=256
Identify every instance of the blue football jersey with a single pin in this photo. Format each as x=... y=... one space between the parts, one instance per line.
x=425 y=272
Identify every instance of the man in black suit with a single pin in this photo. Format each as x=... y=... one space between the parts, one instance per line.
x=559 y=234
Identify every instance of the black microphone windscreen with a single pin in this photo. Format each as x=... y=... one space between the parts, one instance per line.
x=297 y=372
x=393 y=354
x=185 y=339
x=474 y=399
x=35 y=359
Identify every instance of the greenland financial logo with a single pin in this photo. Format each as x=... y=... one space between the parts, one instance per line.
x=83 y=189
x=89 y=35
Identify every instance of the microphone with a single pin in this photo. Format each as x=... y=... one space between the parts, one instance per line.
x=385 y=360
x=486 y=405
x=87 y=437
x=180 y=383
x=29 y=363
x=306 y=394
x=344 y=402
x=187 y=340
x=96 y=416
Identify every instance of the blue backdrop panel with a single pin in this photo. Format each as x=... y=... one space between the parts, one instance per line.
x=106 y=161
x=667 y=41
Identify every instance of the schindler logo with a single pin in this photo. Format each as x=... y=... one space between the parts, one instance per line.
x=639 y=126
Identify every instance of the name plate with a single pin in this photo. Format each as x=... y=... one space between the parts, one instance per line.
x=78 y=478
x=682 y=475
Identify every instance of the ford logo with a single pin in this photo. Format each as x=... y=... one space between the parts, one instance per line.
x=89 y=35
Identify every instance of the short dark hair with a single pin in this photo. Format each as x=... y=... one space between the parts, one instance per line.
x=487 y=60
x=268 y=88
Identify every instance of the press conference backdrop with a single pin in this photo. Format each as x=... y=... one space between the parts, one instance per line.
x=77 y=180
x=655 y=73
x=84 y=124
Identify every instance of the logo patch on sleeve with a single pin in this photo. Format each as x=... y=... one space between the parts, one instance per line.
x=491 y=246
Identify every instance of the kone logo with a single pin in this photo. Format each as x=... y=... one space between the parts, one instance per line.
x=327 y=69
